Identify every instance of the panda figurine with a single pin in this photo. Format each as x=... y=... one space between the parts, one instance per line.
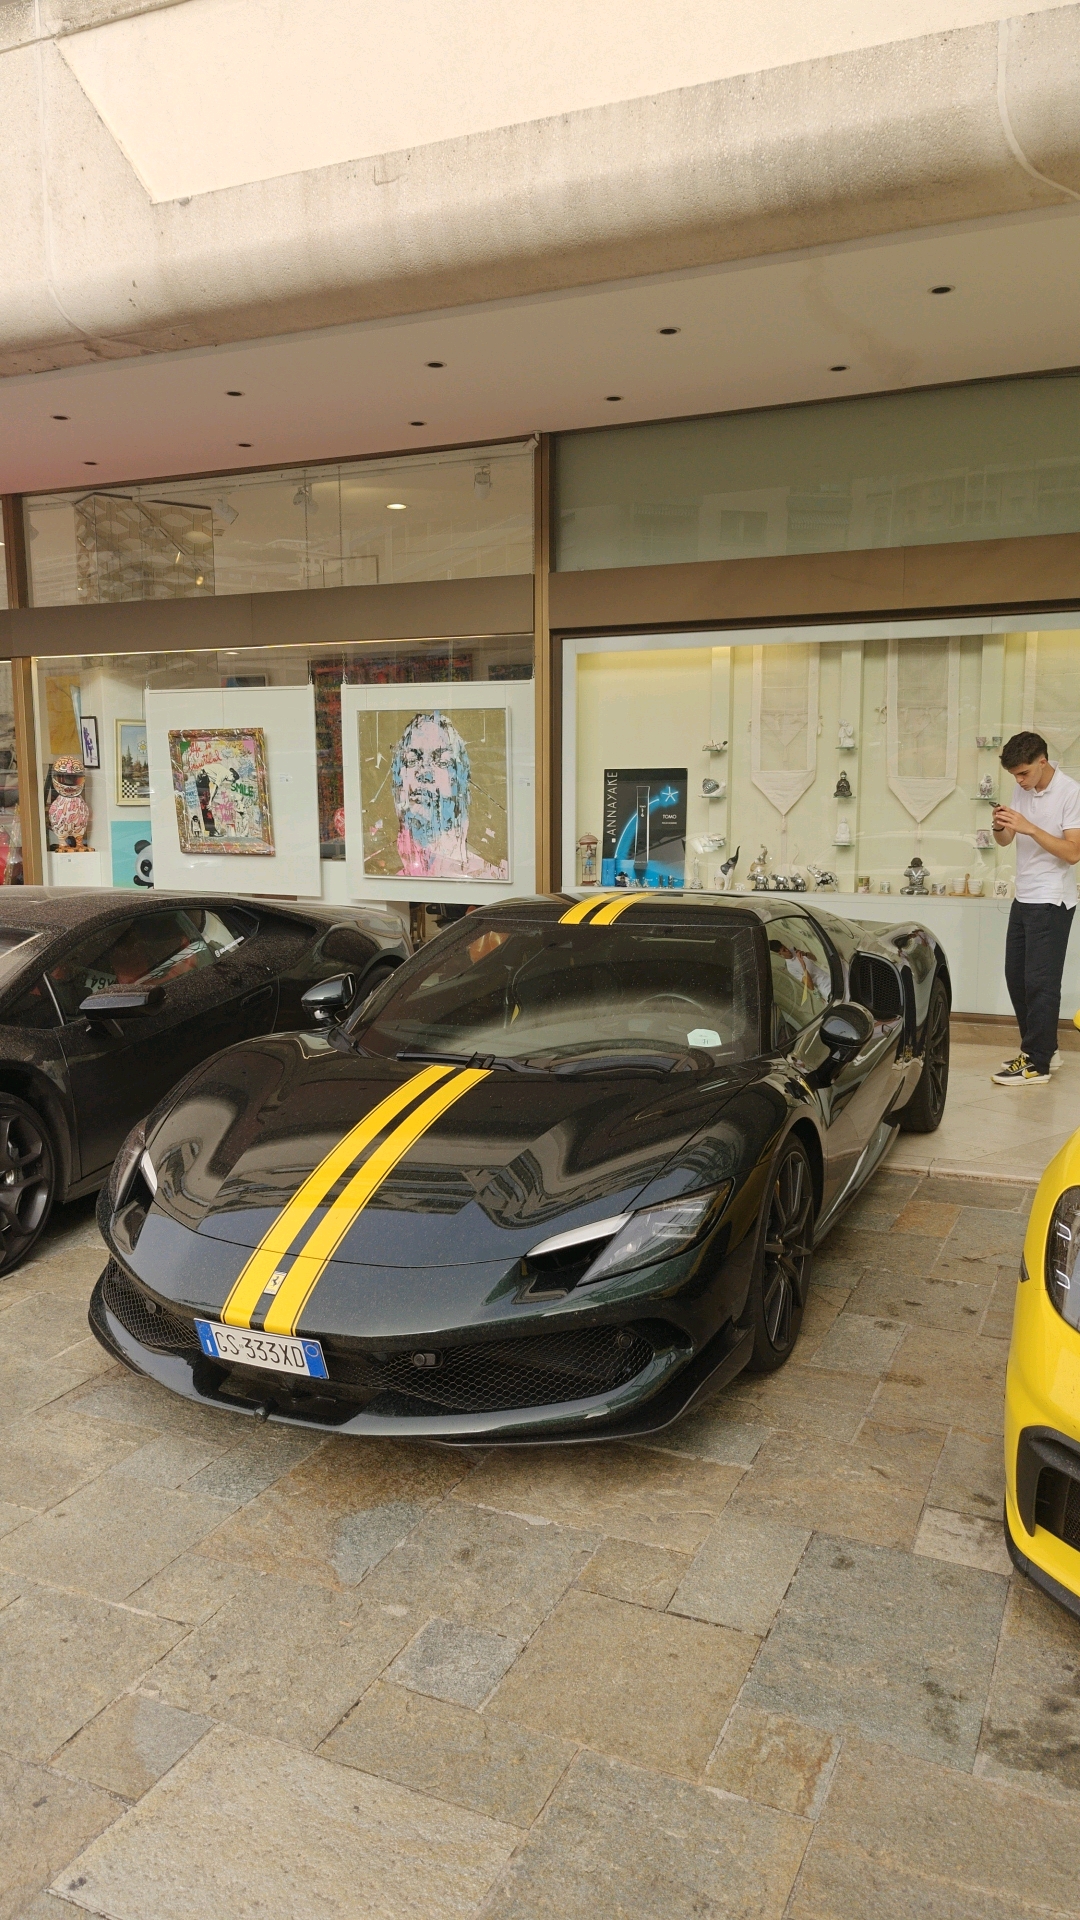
x=144 y=864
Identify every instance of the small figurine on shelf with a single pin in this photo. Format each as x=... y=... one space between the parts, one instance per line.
x=758 y=872
x=715 y=746
x=843 y=833
x=983 y=837
x=586 y=853
x=69 y=812
x=712 y=789
x=916 y=875
x=824 y=879
x=726 y=869
x=862 y=883
x=846 y=741
x=842 y=789
x=986 y=787
x=798 y=881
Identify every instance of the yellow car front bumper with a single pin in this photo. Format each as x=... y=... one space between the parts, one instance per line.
x=1042 y=1411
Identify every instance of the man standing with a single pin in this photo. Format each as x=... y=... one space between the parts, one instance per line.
x=1044 y=819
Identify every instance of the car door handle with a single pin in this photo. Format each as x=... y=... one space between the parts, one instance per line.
x=260 y=996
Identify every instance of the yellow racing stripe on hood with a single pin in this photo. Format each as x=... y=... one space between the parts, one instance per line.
x=614 y=907
x=283 y=1313
x=294 y=1216
x=581 y=911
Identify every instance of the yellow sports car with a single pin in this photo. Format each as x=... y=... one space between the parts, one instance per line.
x=1042 y=1390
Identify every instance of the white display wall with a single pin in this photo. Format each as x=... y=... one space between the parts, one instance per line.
x=913 y=701
x=287 y=717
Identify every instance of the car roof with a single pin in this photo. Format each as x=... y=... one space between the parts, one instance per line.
x=656 y=904
x=60 y=910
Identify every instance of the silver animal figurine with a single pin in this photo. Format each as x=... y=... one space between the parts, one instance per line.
x=824 y=879
x=916 y=876
x=758 y=872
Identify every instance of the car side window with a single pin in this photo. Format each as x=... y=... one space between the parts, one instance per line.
x=34 y=1007
x=801 y=976
x=146 y=951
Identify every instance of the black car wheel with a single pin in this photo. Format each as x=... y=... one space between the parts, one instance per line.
x=927 y=1104
x=27 y=1179
x=782 y=1263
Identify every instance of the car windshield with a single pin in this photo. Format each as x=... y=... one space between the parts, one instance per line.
x=553 y=994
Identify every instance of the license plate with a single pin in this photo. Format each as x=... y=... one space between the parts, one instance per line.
x=262 y=1350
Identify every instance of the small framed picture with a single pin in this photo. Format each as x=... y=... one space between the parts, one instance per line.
x=132 y=764
x=88 y=734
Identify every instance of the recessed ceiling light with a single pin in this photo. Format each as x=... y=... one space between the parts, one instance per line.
x=840 y=367
x=613 y=396
x=436 y=363
x=942 y=289
x=418 y=423
x=61 y=416
x=234 y=393
x=89 y=463
x=243 y=443
x=669 y=329
x=395 y=506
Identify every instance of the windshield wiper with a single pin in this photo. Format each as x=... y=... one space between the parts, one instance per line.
x=486 y=1060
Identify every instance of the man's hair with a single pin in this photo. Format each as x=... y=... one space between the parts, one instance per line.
x=1022 y=749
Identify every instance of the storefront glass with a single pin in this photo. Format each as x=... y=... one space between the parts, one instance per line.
x=981 y=462
x=395 y=771
x=11 y=863
x=863 y=761
x=445 y=516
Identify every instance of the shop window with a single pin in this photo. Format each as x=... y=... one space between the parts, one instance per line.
x=991 y=460
x=461 y=515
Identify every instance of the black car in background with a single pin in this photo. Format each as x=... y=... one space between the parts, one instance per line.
x=107 y=999
x=564 y=1171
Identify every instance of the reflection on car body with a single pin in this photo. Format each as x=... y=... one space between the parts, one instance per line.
x=562 y=1172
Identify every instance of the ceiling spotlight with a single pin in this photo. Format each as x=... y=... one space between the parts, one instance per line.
x=613 y=396
x=61 y=416
x=243 y=443
x=840 y=367
x=223 y=512
x=436 y=363
x=233 y=393
x=942 y=289
x=395 y=506
x=669 y=329
x=89 y=463
x=418 y=423
x=482 y=481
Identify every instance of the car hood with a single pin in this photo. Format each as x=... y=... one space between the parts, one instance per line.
x=508 y=1161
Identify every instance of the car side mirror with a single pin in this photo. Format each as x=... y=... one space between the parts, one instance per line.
x=845 y=1029
x=109 y=1009
x=328 y=999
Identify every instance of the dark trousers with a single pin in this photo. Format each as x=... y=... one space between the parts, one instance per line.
x=1035 y=946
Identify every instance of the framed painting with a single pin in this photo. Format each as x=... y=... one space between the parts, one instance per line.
x=434 y=797
x=88 y=734
x=221 y=789
x=132 y=765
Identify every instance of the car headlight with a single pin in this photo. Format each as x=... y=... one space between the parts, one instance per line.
x=655 y=1233
x=1062 y=1247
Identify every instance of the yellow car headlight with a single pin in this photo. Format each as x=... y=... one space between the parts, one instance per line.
x=1062 y=1248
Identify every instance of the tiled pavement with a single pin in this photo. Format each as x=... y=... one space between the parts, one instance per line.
x=775 y=1666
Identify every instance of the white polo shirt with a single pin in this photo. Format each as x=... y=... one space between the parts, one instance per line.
x=1041 y=876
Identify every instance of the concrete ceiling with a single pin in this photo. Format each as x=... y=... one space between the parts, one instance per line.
x=755 y=333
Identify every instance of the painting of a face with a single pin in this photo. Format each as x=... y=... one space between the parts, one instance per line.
x=434 y=793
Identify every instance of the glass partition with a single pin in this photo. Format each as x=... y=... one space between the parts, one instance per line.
x=445 y=516
x=979 y=462
x=279 y=770
x=11 y=860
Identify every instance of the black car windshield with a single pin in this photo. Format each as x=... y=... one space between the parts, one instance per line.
x=551 y=993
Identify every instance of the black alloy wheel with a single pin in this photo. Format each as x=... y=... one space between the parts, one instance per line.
x=784 y=1256
x=927 y=1104
x=27 y=1179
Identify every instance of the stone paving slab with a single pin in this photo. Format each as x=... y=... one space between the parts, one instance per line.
x=772 y=1662
x=250 y=1827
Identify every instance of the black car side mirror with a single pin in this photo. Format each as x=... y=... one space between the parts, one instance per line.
x=108 y=1009
x=328 y=999
x=845 y=1030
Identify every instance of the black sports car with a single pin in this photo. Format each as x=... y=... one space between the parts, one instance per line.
x=108 y=998
x=562 y=1172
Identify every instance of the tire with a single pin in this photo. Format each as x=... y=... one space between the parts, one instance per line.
x=782 y=1259
x=927 y=1104
x=27 y=1179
